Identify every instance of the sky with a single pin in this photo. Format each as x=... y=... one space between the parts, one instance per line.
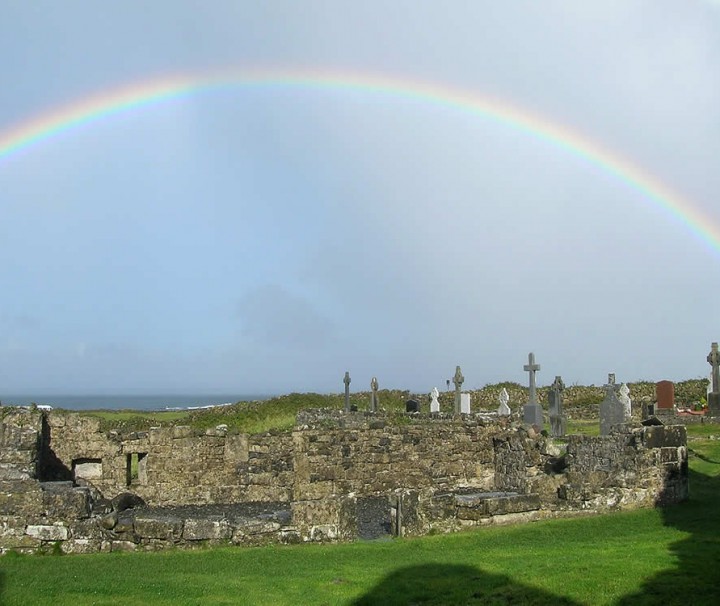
x=255 y=238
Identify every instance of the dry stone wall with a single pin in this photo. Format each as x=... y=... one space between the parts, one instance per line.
x=336 y=476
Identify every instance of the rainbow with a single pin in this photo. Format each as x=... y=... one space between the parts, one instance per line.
x=137 y=96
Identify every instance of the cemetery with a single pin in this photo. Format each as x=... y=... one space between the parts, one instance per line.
x=337 y=475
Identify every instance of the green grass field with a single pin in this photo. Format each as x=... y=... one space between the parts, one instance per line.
x=669 y=556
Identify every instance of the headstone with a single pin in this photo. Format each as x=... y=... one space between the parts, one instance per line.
x=458 y=379
x=612 y=410
x=346 y=380
x=434 y=403
x=503 y=410
x=532 y=411
x=558 y=420
x=714 y=396
x=373 y=395
x=665 y=395
x=625 y=400
x=465 y=400
x=412 y=406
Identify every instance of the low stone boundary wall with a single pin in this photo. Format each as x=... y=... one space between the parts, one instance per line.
x=336 y=476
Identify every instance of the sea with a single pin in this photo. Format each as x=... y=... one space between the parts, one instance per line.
x=146 y=402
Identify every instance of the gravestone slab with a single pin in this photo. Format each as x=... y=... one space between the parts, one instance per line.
x=612 y=410
x=558 y=420
x=665 y=395
x=465 y=402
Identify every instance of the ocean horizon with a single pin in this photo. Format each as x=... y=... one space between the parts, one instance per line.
x=146 y=402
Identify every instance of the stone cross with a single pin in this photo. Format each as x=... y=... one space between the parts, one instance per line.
x=714 y=361
x=346 y=380
x=532 y=368
x=532 y=411
x=374 y=395
x=610 y=387
x=458 y=379
x=434 y=403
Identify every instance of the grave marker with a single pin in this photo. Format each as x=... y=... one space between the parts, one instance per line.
x=612 y=410
x=458 y=379
x=434 y=403
x=625 y=400
x=532 y=411
x=373 y=395
x=713 y=399
x=665 y=396
x=465 y=401
x=558 y=421
x=503 y=410
x=346 y=380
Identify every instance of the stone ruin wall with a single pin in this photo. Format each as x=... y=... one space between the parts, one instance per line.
x=336 y=476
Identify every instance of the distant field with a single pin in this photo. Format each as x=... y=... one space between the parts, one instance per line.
x=669 y=556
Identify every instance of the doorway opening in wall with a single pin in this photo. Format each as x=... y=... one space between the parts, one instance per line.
x=136 y=471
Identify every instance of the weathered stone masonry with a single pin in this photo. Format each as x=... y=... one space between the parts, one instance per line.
x=336 y=476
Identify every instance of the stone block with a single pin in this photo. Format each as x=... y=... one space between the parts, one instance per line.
x=169 y=528
x=324 y=532
x=181 y=431
x=120 y=546
x=200 y=529
x=47 y=533
x=81 y=546
x=658 y=436
x=20 y=497
x=66 y=504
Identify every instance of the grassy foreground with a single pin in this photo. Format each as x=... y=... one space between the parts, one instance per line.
x=669 y=556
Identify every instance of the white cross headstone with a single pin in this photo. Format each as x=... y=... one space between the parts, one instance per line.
x=434 y=404
x=465 y=400
x=503 y=410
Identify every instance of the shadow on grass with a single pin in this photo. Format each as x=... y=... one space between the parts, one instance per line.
x=696 y=578
x=436 y=584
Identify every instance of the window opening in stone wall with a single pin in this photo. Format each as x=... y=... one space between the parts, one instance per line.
x=87 y=469
x=136 y=468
